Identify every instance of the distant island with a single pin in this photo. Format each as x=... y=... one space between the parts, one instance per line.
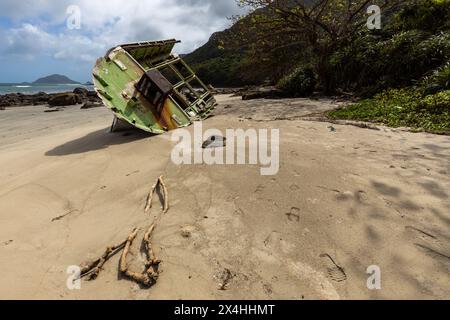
x=55 y=79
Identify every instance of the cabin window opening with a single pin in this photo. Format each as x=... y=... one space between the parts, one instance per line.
x=170 y=75
x=198 y=87
x=207 y=98
x=155 y=88
x=183 y=70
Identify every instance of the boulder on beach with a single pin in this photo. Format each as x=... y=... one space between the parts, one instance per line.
x=65 y=99
x=81 y=91
x=93 y=95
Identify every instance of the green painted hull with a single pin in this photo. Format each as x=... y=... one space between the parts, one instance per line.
x=152 y=89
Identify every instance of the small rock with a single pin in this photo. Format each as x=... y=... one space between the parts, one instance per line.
x=53 y=110
x=91 y=105
x=214 y=142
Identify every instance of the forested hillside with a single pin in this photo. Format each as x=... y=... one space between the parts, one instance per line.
x=270 y=43
x=326 y=46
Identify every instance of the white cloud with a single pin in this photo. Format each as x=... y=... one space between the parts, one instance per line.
x=26 y=41
x=29 y=41
x=105 y=24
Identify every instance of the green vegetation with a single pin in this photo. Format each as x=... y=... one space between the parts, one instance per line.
x=402 y=108
x=215 y=65
x=402 y=70
x=300 y=83
x=438 y=80
x=221 y=71
x=413 y=55
x=373 y=63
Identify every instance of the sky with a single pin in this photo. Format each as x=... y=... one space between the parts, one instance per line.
x=43 y=37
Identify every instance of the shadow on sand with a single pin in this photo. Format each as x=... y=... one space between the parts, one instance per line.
x=97 y=140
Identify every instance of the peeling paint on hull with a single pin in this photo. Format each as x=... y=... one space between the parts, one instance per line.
x=149 y=87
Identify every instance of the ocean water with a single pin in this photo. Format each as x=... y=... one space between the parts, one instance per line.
x=36 y=88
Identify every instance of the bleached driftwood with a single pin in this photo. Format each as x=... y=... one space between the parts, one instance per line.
x=159 y=183
x=150 y=275
x=93 y=268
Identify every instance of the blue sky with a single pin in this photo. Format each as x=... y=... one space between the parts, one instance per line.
x=37 y=36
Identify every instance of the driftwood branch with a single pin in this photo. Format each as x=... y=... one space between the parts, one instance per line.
x=93 y=268
x=123 y=258
x=150 y=275
x=151 y=257
x=159 y=183
x=166 y=195
x=150 y=197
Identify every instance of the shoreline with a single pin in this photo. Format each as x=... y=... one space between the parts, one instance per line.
x=49 y=88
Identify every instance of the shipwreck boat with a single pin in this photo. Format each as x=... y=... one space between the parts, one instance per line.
x=151 y=88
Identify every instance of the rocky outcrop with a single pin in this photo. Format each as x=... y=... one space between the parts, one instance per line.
x=78 y=96
x=65 y=99
x=19 y=99
x=81 y=92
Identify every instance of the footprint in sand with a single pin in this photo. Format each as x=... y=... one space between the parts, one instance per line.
x=335 y=272
x=259 y=188
x=294 y=214
x=268 y=289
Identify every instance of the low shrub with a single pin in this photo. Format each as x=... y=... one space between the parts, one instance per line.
x=438 y=81
x=300 y=83
x=402 y=108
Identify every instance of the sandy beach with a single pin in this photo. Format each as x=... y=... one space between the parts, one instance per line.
x=345 y=198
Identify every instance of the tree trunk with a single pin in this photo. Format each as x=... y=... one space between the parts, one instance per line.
x=324 y=70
